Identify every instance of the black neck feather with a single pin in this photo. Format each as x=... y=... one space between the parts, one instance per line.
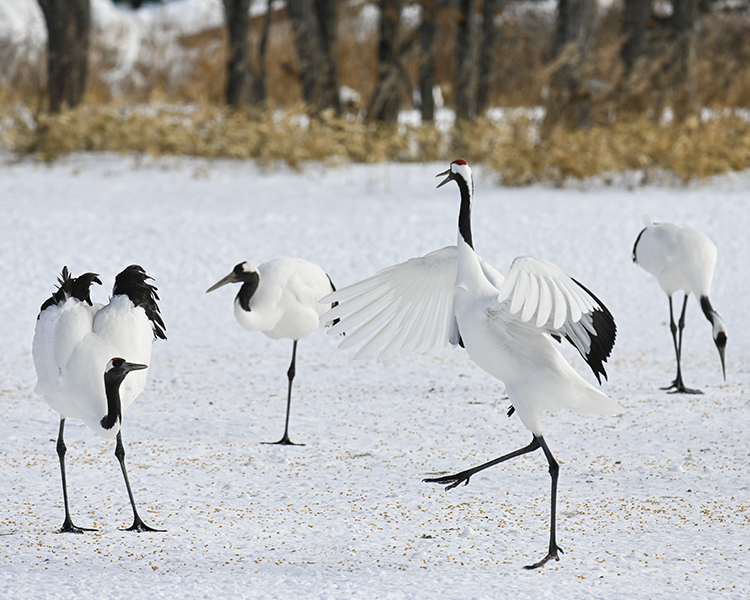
x=247 y=290
x=464 y=215
x=114 y=407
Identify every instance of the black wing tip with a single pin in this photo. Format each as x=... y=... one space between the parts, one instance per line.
x=132 y=282
x=333 y=304
x=72 y=287
x=602 y=343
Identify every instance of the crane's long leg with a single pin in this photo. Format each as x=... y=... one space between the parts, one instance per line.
x=537 y=442
x=677 y=385
x=67 y=526
x=285 y=441
x=138 y=525
x=554 y=470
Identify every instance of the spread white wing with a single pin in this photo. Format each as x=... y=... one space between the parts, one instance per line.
x=408 y=307
x=402 y=309
x=540 y=293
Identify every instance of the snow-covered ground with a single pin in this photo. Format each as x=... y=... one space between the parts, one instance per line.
x=652 y=504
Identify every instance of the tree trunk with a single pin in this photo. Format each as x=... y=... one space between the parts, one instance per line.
x=570 y=97
x=314 y=23
x=465 y=61
x=487 y=54
x=68 y=32
x=386 y=101
x=635 y=14
x=260 y=90
x=685 y=85
x=239 y=75
x=426 y=75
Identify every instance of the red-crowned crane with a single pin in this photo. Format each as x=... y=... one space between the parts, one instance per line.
x=507 y=325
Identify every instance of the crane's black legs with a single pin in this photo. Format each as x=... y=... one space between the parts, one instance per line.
x=554 y=470
x=138 y=525
x=677 y=385
x=285 y=441
x=67 y=526
x=452 y=481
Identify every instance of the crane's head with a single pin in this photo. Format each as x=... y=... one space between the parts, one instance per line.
x=243 y=272
x=459 y=171
x=118 y=367
x=114 y=374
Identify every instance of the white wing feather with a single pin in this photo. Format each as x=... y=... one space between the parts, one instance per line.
x=536 y=288
x=408 y=308
x=402 y=309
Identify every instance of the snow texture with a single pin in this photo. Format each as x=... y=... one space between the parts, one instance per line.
x=652 y=504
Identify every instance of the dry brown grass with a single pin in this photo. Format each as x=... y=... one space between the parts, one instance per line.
x=511 y=147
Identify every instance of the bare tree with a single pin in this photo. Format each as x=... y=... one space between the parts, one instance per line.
x=466 y=60
x=68 y=33
x=426 y=75
x=635 y=14
x=659 y=57
x=386 y=100
x=239 y=75
x=261 y=81
x=569 y=101
x=314 y=23
x=683 y=25
x=487 y=54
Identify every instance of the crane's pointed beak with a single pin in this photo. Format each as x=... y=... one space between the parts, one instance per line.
x=127 y=367
x=447 y=179
x=231 y=278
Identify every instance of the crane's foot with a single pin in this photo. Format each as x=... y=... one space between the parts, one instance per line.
x=285 y=441
x=677 y=387
x=69 y=527
x=140 y=527
x=551 y=555
x=451 y=481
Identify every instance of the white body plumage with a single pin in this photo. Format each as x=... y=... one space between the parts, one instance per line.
x=680 y=257
x=285 y=303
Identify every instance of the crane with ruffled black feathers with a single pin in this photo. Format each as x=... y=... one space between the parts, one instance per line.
x=78 y=351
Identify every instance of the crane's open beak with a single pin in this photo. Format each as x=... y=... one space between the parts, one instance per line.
x=721 y=346
x=231 y=278
x=446 y=180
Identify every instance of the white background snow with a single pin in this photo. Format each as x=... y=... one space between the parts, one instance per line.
x=652 y=504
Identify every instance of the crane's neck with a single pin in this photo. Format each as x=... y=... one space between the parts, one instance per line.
x=247 y=290
x=469 y=275
x=466 y=188
x=716 y=321
x=114 y=407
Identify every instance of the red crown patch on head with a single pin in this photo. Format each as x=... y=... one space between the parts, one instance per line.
x=459 y=161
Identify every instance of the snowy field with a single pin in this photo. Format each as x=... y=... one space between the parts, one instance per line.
x=652 y=504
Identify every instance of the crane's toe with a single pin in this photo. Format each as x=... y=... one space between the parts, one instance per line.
x=140 y=527
x=551 y=555
x=69 y=527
